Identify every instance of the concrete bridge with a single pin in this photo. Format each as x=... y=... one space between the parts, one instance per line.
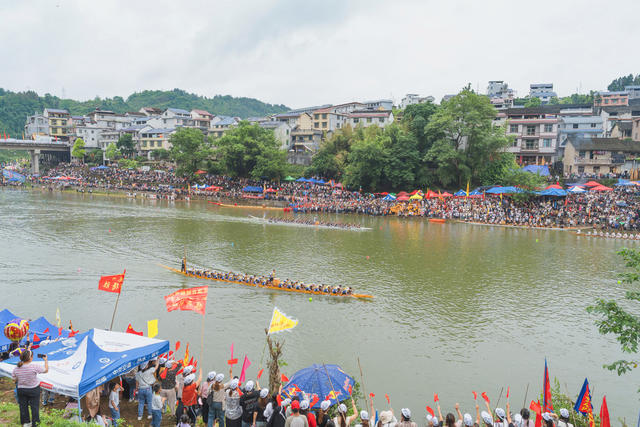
x=35 y=148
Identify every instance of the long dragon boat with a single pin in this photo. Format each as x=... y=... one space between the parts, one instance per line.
x=275 y=287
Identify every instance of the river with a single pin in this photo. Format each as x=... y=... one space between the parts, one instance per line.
x=457 y=307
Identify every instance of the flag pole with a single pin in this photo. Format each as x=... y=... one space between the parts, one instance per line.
x=113 y=317
x=363 y=389
x=202 y=337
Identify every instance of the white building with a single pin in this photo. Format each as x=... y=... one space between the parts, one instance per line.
x=281 y=130
x=379 y=104
x=543 y=91
x=368 y=118
x=414 y=98
x=176 y=117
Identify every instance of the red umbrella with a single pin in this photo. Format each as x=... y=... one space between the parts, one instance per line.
x=403 y=198
x=601 y=188
x=213 y=188
x=402 y=193
x=445 y=194
x=592 y=184
x=430 y=194
x=271 y=190
x=200 y=172
x=556 y=186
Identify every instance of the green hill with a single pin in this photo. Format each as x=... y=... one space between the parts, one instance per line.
x=16 y=106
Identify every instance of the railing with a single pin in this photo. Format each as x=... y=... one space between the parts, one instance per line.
x=600 y=161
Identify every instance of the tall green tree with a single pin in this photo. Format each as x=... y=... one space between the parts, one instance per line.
x=78 y=150
x=251 y=151
x=464 y=139
x=112 y=152
x=189 y=149
x=620 y=321
x=621 y=82
x=126 y=145
x=366 y=164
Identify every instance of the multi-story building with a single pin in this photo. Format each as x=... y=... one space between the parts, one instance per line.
x=635 y=129
x=598 y=156
x=202 y=120
x=534 y=132
x=281 y=131
x=633 y=91
x=176 y=117
x=368 y=118
x=90 y=133
x=379 y=104
x=497 y=88
x=327 y=120
x=543 y=91
x=154 y=139
x=59 y=123
x=414 y=98
x=581 y=126
x=150 y=111
x=221 y=124
x=109 y=119
x=604 y=99
x=37 y=125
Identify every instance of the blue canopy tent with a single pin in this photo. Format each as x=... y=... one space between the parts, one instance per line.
x=504 y=190
x=13 y=176
x=252 y=189
x=552 y=192
x=389 y=198
x=320 y=382
x=302 y=179
x=542 y=170
x=576 y=190
x=460 y=193
x=624 y=183
x=85 y=361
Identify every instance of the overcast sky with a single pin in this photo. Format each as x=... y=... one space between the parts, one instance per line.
x=302 y=52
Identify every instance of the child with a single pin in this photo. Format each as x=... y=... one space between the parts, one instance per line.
x=114 y=401
x=184 y=421
x=157 y=402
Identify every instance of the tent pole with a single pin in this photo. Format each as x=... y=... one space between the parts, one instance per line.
x=114 y=312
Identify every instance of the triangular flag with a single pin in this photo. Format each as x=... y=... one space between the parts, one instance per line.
x=152 y=328
x=604 y=413
x=430 y=411
x=280 y=322
x=260 y=373
x=283 y=378
x=245 y=364
x=46 y=330
x=186 y=355
x=485 y=397
x=35 y=338
x=435 y=397
x=177 y=345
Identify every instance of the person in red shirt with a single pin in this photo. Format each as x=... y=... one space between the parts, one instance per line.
x=190 y=395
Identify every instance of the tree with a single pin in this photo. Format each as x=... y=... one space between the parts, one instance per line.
x=78 y=150
x=126 y=145
x=112 y=152
x=251 y=151
x=189 y=149
x=160 y=154
x=366 y=164
x=621 y=82
x=616 y=320
x=533 y=102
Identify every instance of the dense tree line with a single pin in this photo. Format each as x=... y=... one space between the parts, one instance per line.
x=621 y=82
x=16 y=106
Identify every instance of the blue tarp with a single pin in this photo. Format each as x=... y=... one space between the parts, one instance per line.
x=503 y=190
x=302 y=179
x=85 y=361
x=315 y=382
x=460 y=193
x=389 y=198
x=624 y=183
x=552 y=192
x=13 y=176
x=540 y=170
x=251 y=189
x=576 y=190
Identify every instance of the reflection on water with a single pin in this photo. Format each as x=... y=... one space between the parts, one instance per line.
x=457 y=308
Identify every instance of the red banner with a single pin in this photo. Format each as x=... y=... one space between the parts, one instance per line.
x=193 y=299
x=111 y=283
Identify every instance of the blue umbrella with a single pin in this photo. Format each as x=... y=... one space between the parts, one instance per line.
x=320 y=382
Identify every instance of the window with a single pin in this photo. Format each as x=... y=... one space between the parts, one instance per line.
x=606 y=101
x=356 y=120
x=515 y=143
x=324 y=115
x=546 y=143
x=596 y=169
x=316 y=125
x=580 y=169
x=324 y=125
x=531 y=145
x=513 y=128
x=581 y=154
x=548 y=128
x=575 y=126
x=531 y=130
x=310 y=137
x=593 y=125
x=316 y=116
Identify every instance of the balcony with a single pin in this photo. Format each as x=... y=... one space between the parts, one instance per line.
x=600 y=161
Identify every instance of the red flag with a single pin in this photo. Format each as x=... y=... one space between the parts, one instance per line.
x=111 y=283
x=35 y=338
x=279 y=400
x=231 y=351
x=314 y=400
x=177 y=346
x=435 y=397
x=245 y=364
x=508 y=388
x=546 y=390
x=485 y=397
x=73 y=333
x=190 y=361
x=130 y=330
x=46 y=330
x=604 y=413
x=430 y=411
x=59 y=331
x=475 y=395
x=193 y=299
x=387 y=397
x=284 y=378
x=170 y=354
x=180 y=371
x=371 y=395
x=260 y=373
x=163 y=373
x=535 y=407
x=350 y=389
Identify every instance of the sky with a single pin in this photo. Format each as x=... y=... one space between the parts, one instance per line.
x=306 y=52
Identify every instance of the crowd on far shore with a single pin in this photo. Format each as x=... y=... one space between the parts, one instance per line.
x=616 y=210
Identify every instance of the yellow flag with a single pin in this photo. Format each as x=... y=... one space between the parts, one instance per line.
x=58 y=320
x=467 y=188
x=152 y=328
x=280 y=322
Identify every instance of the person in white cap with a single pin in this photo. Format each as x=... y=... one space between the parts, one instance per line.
x=216 y=401
x=387 y=419
x=547 y=419
x=145 y=378
x=190 y=395
x=304 y=410
x=249 y=403
x=233 y=410
x=405 y=419
x=517 y=420
x=487 y=418
x=342 y=420
x=321 y=415
x=564 y=419
x=259 y=418
x=467 y=420
x=364 y=419
x=204 y=394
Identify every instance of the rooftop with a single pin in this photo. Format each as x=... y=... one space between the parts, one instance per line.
x=160 y=130
x=605 y=144
x=203 y=113
x=178 y=111
x=56 y=110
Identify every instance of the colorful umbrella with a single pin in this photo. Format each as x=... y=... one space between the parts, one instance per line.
x=320 y=382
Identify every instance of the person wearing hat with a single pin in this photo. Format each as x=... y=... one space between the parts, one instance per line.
x=190 y=395
x=364 y=419
x=204 y=394
x=547 y=419
x=564 y=419
x=233 y=410
x=216 y=399
x=342 y=420
x=405 y=419
x=168 y=385
x=387 y=419
x=249 y=403
x=321 y=415
x=526 y=422
x=296 y=419
x=259 y=417
x=145 y=378
x=304 y=410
